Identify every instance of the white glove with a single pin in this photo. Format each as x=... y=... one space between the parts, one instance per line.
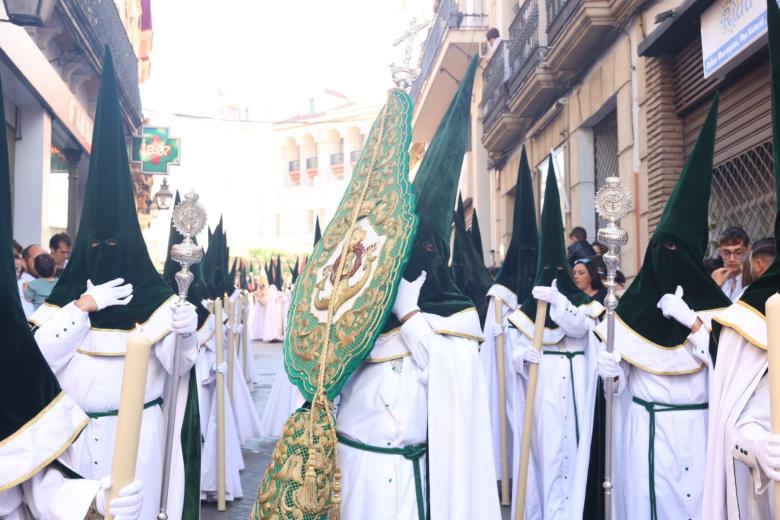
x=524 y=355
x=673 y=306
x=184 y=319
x=238 y=328
x=550 y=295
x=110 y=293
x=126 y=506
x=766 y=450
x=221 y=368
x=407 y=296
x=608 y=365
x=498 y=330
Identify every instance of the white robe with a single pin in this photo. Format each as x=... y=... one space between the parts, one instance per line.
x=558 y=467
x=247 y=419
x=670 y=376
x=234 y=461
x=433 y=391
x=283 y=400
x=256 y=320
x=49 y=495
x=89 y=365
x=515 y=393
x=741 y=364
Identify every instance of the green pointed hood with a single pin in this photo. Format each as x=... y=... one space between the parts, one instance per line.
x=435 y=188
x=552 y=263
x=476 y=237
x=317 y=231
x=242 y=277
x=467 y=269
x=278 y=272
x=28 y=388
x=759 y=291
x=197 y=291
x=209 y=266
x=518 y=271
x=676 y=249
x=296 y=270
x=109 y=243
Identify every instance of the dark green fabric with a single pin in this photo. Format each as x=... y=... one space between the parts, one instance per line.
x=114 y=413
x=518 y=271
x=552 y=263
x=468 y=271
x=278 y=273
x=197 y=291
x=109 y=243
x=190 y=450
x=242 y=277
x=317 y=231
x=27 y=385
x=675 y=252
x=594 y=487
x=295 y=270
x=435 y=188
x=209 y=263
x=759 y=291
x=652 y=409
x=476 y=237
x=233 y=273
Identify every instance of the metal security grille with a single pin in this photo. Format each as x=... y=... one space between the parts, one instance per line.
x=743 y=194
x=605 y=153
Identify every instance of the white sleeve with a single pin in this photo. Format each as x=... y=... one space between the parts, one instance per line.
x=51 y=496
x=753 y=423
x=189 y=352
x=518 y=342
x=417 y=335
x=59 y=337
x=569 y=318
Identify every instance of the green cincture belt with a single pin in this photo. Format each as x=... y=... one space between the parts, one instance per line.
x=570 y=357
x=652 y=409
x=111 y=413
x=413 y=452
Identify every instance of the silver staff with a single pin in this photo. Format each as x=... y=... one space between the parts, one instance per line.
x=189 y=218
x=612 y=203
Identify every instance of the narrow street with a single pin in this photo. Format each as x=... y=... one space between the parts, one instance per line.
x=257 y=453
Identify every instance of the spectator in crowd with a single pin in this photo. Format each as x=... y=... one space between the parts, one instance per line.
x=493 y=38
x=712 y=263
x=59 y=248
x=588 y=280
x=761 y=257
x=37 y=290
x=579 y=247
x=29 y=254
x=734 y=244
x=18 y=263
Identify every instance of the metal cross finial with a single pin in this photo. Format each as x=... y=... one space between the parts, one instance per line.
x=612 y=202
x=404 y=74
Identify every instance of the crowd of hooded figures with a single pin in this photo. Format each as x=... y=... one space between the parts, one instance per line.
x=469 y=371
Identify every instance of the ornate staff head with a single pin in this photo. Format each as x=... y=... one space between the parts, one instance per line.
x=404 y=74
x=189 y=218
x=612 y=202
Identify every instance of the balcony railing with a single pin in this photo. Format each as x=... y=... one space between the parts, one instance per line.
x=294 y=166
x=337 y=159
x=494 y=91
x=447 y=17
x=558 y=13
x=353 y=156
x=524 y=48
x=104 y=27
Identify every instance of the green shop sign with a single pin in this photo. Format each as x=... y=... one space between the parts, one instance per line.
x=155 y=151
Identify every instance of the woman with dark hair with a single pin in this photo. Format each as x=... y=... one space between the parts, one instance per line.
x=588 y=280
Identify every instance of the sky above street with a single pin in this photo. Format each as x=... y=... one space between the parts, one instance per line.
x=273 y=56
